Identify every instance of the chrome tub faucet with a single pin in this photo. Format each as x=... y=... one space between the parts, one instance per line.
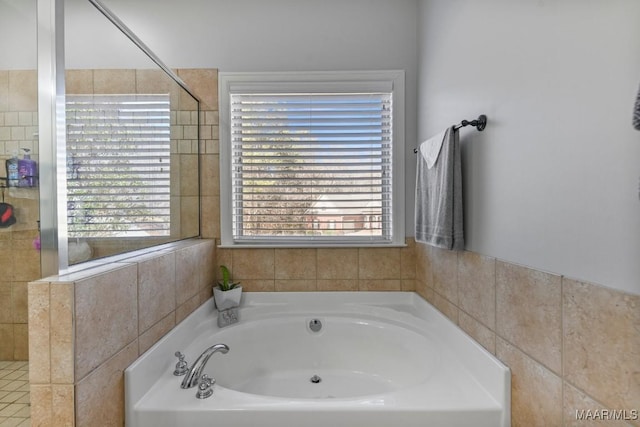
x=194 y=374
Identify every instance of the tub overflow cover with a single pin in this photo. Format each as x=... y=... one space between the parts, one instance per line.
x=315 y=325
x=315 y=379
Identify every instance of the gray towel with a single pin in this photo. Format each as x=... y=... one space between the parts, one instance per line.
x=636 y=113
x=438 y=207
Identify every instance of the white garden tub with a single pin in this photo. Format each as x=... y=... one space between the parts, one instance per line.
x=379 y=359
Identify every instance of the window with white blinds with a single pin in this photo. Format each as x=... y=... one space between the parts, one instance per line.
x=118 y=165
x=311 y=167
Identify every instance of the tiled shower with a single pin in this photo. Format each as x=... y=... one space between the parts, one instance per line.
x=19 y=253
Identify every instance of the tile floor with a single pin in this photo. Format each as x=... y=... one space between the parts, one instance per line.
x=15 y=409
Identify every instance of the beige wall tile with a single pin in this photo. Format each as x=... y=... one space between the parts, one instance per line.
x=187 y=307
x=483 y=335
x=337 y=285
x=210 y=217
x=253 y=264
x=19 y=300
x=154 y=81
x=155 y=332
x=208 y=267
x=62 y=333
x=204 y=82
x=575 y=402
x=63 y=405
x=156 y=289
x=176 y=220
x=258 y=285
x=224 y=256
x=100 y=395
x=445 y=306
x=187 y=274
x=8 y=343
x=337 y=263
x=379 y=263
x=204 y=295
x=39 y=333
x=23 y=90
x=189 y=216
x=211 y=117
x=528 y=312
x=536 y=392
x=444 y=266
x=210 y=173
x=189 y=175
x=408 y=260
x=424 y=291
x=296 y=285
x=79 y=82
x=379 y=285
x=408 y=285
x=106 y=309
x=29 y=263
x=107 y=81
x=295 y=264
x=20 y=341
x=477 y=287
x=602 y=343
x=6 y=266
x=41 y=397
x=6 y=303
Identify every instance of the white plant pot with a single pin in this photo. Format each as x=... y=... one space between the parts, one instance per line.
x=227 y=299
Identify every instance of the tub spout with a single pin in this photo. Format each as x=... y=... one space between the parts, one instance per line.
x=194 y=374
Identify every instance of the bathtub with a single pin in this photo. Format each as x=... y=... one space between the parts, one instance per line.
x=339 y=359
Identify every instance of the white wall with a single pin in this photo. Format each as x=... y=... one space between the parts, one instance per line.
x=552 y=182
x=18 y=35
x=259 y=35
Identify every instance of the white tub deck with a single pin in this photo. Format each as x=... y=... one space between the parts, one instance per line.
x=365 y=355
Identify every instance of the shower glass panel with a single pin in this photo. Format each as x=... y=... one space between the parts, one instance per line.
x=19 y=201
x=132 y=143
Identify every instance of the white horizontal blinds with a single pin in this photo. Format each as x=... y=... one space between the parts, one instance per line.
x=311 y=165
x=118 y=165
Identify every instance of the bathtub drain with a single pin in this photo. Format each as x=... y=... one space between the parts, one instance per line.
x=315 y=379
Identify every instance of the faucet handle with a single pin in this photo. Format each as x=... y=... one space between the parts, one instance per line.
x=181 y=367
x=205 y=386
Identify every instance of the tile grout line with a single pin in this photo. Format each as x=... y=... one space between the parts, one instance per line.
x=14 y=408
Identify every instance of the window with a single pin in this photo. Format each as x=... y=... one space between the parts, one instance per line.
x=118 y=165
x=312 y=158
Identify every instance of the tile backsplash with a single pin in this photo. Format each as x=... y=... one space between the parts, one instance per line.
x=570 y=345
x=322 y=269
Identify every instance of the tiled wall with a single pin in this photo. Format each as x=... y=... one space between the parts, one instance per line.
x=19 y=261
x=570 y=345
x=89 y=326
x=348 y=269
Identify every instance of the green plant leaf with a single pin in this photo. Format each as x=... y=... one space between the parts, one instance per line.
x=225 y=284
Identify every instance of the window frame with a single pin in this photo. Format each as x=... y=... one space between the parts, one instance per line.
x=326 y=81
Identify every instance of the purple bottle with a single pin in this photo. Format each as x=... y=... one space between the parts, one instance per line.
x=27 y=170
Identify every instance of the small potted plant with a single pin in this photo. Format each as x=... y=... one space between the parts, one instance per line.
x=227 y=294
